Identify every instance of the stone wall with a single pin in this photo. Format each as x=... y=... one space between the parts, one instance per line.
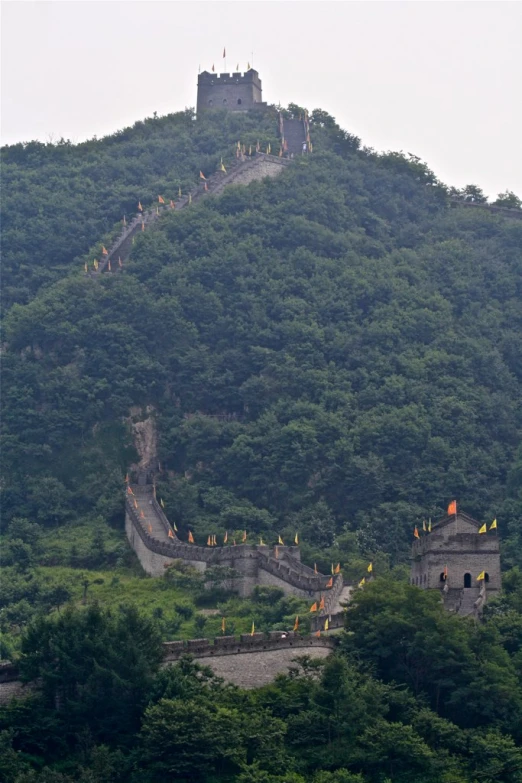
x=232 y=91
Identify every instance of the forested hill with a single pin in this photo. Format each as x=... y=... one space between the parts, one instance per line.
x=335 y=351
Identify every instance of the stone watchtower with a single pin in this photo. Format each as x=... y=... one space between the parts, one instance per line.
x=450 y=559
x=232 y=91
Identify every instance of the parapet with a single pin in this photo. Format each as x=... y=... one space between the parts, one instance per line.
x=248 y=77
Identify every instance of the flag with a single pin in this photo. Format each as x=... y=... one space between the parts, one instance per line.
x=238 y=145
x=205 y=186
x=129 y=490
x=190 y=198
x=105 y=252
x=332 y=568
x=161 y=200
x=120 y=262
x=124 y=220
x=175 y=527
x=127 y=479
x=213 y=67
x=321 y=603
x=416 y=532
x=250 y=150
x=337 y=569
x=85 y=266
x=252 y=632
x=214 y=541
x=326 y=624
x=201 y=175
x=313 y=608
x=150 y=528
x=280 y=541
x=171 y=534
x=429 y=525
x=248 y=66
x=190 y=538
x=318 y=634
x=481 y=576
x=179 y=192
x=224 y=53
x=208 y=541
x=222 y=167
x=280 y=152
x=142 y=515
x=370 y=568
x=296 y=538
x=484 y=528
x=244 y=538
x=226 y=537
x=109 y=265
x=135 y=503
x=95 y=264
x=162 y=504
x=493 y=525
x=296 y=623
x=157 y=210
x=261 y=542
x=140 y=207
x=172 y=205
x=237 y=67
x=330 y=582
x=258 y=146
x=452 y=508
x=223 y=625
x=315 y=568
x=423 y=525
x=445 y=572
x=142 y=225
x=361 y=583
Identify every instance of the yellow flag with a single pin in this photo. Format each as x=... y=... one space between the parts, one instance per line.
x=162 y=504
x=363 y=580
x=214 y=540
x=150 y=528
x=280 y=541
x=226 y=537
x=190 y=198
x=261 y=542
x=248 y=66
x=481 y=576
x=493 y=525
x=223 y=167
x=423 y=525
x=326 y=624
x=140 y=207
x=483 y=529
x=175 y=527
x=109 y=265
x=223 y=625
x=296 y=623
x=95 y=264
x=370 y=568
x=296 y=539
x=179 y=192
x=329 y=582
x=252 y=632
x=429 y=525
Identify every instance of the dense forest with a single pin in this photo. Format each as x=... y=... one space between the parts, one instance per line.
x=335 y=351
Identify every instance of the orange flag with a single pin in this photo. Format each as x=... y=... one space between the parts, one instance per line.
x=129 y=490
x=172 y=205
x=225 y=539
x=313 y=608
x=244 y=536
x=337 y=569
x=190 y=538
x=318 y=634
x=105 y=252
x=120 y=262
x=135 y=503
x=416 y=532
x=321 y=603
x=223 y=625
x=329 y=582
x=209 y=542
x=296 y=623
x=452 y=508
x=201 y=175
x=140 y=207
x=171 y=534
x=161 y=200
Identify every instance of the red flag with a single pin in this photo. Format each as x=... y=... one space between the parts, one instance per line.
x=329 y=582
x=161 y=200
x=452 y=508
x=190 y=538
x=313 y=608
x=171 y=534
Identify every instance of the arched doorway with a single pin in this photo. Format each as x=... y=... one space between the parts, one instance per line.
x=467 y=580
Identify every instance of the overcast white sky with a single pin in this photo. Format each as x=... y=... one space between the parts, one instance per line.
x=439 y=79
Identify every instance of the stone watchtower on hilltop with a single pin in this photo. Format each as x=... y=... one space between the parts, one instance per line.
x=450 y=559
x=232 y=91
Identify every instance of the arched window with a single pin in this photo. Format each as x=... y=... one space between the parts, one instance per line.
x=486 y=577
x=211 y=102
x=224 y=101
x=467 y=580
x=441 y=577
x=239 y=101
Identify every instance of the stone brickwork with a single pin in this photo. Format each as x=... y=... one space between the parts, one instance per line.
x=231 y=91
x=250 y=661
x=456 y=545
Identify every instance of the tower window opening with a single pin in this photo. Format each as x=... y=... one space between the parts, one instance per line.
x=441 y=577
x=486 y=577
x=224 y=101
x=239 y=101
x=211 y=102
x=467 y=580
